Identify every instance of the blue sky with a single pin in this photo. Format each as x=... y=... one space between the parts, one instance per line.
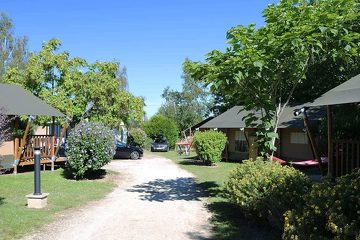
x=151 y=38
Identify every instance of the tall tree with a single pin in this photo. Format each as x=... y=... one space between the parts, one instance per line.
x=265 y=68
x=13 y=50
x=188 y=106
x=72 y=85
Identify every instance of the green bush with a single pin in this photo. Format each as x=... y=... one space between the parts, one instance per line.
x=332 y=211
x=209 y=145
x=265 y=190
x=138 y=137
x=90 y=146
x=160 y=125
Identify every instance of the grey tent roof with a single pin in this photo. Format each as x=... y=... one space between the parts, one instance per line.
x=347 y=92
x=17 y=101
x=233 y=118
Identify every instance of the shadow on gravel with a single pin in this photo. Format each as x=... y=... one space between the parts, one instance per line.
x=161 y=190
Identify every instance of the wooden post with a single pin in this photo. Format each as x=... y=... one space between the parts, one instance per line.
x=52 y=152
x=23 y=140
x=312 y=142
x=61 y=136
x=53 y=125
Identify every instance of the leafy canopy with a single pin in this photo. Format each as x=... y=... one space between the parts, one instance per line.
x=73 y=86
x=262 y=68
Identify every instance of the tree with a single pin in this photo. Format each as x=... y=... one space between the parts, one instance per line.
x=72 y=84
x=188 y=106
x=266 y=68
x=13 y=51
x=159 y=125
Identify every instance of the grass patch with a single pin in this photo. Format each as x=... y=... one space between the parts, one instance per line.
x=228 y=221
x=17 y=220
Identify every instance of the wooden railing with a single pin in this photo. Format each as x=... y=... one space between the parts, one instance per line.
x=45 y=142
x=346 y=157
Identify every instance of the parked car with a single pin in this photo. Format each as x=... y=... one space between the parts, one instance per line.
x=126 y=151
x=160 y=145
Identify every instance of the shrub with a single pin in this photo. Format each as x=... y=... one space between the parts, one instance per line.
x=160 y=125
x=90 y=146
x=138 y=137
x=332 y=211
x=265 y=190
x=209 y=145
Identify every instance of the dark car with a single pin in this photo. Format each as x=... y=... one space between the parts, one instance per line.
x=124 y=150
x=160 y=145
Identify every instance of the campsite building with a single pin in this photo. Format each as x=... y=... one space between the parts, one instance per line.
x=293 y=143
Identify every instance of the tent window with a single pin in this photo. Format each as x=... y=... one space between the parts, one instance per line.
x=240 y=142
x=298 y=138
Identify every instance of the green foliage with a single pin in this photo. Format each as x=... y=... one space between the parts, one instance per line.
x=188 y=106
x=266 y=190
x=161 y=125
x=332 y=211
x=70 y=84
x=209 y=145
x=302 y=42
x=137 y=136
x=90 y=146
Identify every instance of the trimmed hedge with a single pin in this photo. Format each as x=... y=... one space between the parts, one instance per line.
x=159 y=125
x=137 y=137
x=265 y=190
x=209 y=145
x=90 y=146
x=332 y=211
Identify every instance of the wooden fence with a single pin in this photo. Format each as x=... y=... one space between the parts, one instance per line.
x=346 y=157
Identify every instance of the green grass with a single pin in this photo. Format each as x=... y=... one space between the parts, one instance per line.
x=17 y=220
x=228 y=221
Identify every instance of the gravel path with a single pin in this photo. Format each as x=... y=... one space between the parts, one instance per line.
x=155 y=200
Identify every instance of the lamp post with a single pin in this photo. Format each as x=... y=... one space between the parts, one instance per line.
x=37 y=185
x=37 y=199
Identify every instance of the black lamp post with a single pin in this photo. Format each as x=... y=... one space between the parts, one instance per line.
x=37 y=156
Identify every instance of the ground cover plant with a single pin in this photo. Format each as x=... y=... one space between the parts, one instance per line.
x=90 y=146
x=228 y=220
x=209 y=145
x=17 y=220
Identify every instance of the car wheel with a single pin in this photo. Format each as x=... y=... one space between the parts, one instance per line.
x=134 y=155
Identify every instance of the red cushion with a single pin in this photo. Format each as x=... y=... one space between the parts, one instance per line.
x=282 y=162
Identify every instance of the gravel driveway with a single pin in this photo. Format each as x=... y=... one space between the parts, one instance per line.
x=155 y=200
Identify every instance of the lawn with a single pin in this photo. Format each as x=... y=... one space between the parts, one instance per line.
x=17 y=220
x=228 y=221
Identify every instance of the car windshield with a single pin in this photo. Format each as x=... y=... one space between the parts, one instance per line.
x=160 y=141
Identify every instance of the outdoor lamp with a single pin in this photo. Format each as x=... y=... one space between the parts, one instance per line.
x=297 y=112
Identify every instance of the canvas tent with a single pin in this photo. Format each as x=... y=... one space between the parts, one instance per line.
x=17 y=101
x=292 y=144
x=344 y=155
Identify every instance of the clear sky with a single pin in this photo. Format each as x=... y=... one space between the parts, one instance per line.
x=151 y=38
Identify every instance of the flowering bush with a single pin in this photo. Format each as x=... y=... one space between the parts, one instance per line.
x=266 y=190
x=90 y=146
x=209 y=145
x=137 y=137
x=332 y=211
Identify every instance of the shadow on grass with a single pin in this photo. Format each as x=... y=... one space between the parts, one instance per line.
x=229 y=223
x=161 y=190
x=95 y=175
x=2 y=200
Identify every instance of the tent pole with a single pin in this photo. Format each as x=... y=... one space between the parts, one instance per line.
x=330 y=144
x=312 y=142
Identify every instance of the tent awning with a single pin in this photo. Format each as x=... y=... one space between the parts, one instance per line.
x=17 y=101
x=347 y=92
